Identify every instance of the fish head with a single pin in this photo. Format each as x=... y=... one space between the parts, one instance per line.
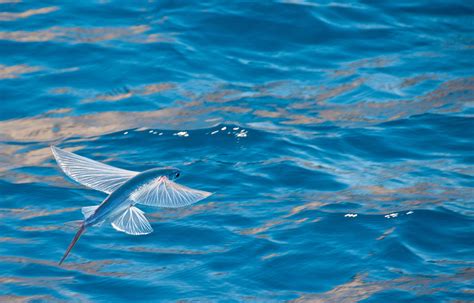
x=174 y=173
x=171 y=173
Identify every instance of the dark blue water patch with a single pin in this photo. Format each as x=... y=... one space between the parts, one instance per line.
x=377 y=147
x=290 y=176
x=286 y=266
x=455 y=9
x=394 y=253
x=441 y=241
x=451 y=125
x=307 y=30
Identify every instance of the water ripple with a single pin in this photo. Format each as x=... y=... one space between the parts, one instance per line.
x=337 y=139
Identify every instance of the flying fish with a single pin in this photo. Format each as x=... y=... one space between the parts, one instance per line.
x=125 y=189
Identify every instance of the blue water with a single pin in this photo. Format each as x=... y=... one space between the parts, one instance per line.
x=338 y=138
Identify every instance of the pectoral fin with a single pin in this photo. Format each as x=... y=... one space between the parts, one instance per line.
x=87 y=211
x=93 y=174
x=162 y=192
x=132 y=222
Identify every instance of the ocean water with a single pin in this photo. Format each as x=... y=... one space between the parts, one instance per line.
x=337 y=138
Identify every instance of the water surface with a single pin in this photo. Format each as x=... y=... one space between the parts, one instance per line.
x=338 y=138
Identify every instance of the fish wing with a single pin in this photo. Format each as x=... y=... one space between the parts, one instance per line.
x=133 y=222
x=162 y=192
x=91 y=173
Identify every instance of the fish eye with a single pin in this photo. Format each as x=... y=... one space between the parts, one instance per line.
x=177 y=174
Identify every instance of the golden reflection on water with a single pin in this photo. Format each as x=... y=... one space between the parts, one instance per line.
x=359 y=288
x=257 y=230
x=9 y=1
x=14 y=71
x=31 y=213
x=145 y=90
x=330 y=93
x=386 y=233
x=155 y=250
x=133 y=34
x=270 y=256
x=449 y=96
x=41 y=128
x=308 y=206
x=15 y=240
x=353 y=291
x=27 y=299
x=452 y=95
x=91 y=267
x=63 y=227
x=7 y=16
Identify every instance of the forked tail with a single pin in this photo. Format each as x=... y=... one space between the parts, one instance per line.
x=73 y=242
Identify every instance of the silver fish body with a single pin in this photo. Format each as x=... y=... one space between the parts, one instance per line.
x=118 y=201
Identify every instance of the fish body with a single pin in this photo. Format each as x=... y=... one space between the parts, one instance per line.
x=119 y=200
x=125 y=189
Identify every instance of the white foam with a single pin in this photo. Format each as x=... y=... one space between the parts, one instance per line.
x=181 y=134
x=392 y=215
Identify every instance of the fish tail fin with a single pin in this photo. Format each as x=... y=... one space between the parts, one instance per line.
x=73 y=242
